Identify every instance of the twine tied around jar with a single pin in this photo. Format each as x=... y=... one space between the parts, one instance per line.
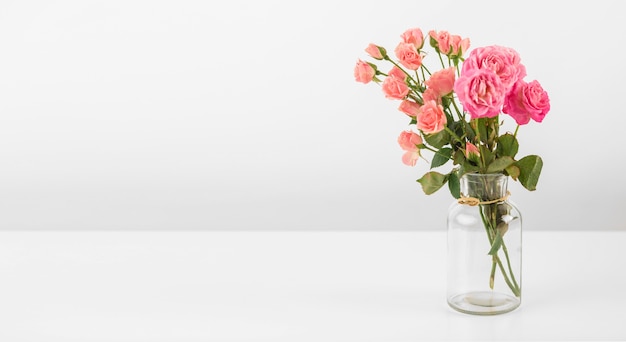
x=473 y=201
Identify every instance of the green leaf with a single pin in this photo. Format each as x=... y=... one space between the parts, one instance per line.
x=507 y=145
x=432 y=181
x=486 y=154
x=458 y=157
x=433 y=42
x=469 y=168
x=481 y=128
x=512 y=171
x=438 y=140
x=500 y=164
x=454 y=184
x=469 y=131
x=529 y=171
x=441 y=157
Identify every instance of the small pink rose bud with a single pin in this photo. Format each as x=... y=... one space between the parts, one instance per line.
x=440 y=41
x=409 y=142
x=409 y=108
x=458 y=45
x=376 y=51
x=414 y=36
x=364 y=72
x=471 y=152
x=397 y=72
x=395 y=88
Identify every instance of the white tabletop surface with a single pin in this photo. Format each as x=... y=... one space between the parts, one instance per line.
x=294 y=286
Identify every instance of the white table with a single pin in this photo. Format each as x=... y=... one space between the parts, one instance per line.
x=294 y=286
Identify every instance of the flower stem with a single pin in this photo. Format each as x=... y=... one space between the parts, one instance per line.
x=441 y=59
x=458 y=112
x=508 y=262
x=513 y=288
x=402 y=69
x=453 y=134
x=490 y=229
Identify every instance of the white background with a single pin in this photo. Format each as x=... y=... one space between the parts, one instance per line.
x=207 y=115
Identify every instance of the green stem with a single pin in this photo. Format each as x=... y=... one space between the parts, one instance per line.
x=492 y=276
x=453 y=134
x=513 y=288
x=508 y=262
x=490 y=229
x=458 y=111
x=402 y=69
x=441 y=59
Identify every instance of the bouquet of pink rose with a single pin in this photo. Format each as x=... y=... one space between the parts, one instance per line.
x=488 y=83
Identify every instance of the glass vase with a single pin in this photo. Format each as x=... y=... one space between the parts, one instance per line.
x=484 y=247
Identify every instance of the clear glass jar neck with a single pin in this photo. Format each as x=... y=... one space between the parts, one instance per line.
x=485 y=187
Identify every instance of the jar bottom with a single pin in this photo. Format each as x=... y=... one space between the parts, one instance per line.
x=484 y=303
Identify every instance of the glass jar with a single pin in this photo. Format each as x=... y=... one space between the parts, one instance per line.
x=484 y=247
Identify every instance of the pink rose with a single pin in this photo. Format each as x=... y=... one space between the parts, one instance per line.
x=409 y=108
x=414 y=36
x=458 y=45
x=442 y=39
x=408 y=142
x=431 y=94
x=409 y=56
x=410 y=158
x=505 y=62
x=442 y=81
x=527 y=101
x=394 y=88
x=375 y=51
x=364 y=72
x=396 y=72
x=431 y=118
x=471 y=151
x=481 y=92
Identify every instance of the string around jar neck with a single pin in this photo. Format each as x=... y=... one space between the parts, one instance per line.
x=473 y=201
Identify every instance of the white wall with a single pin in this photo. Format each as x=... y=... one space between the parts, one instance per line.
x=245 y=114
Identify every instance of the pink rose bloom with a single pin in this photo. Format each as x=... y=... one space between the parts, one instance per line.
x=527 y=101
x=431 y=118
x=409 y=108
x=414 y=36
x=395 y=88
x=409 y=56
x=364 y=72
x=375 y=51
x=481 y=92
x=505 y=62
x=396 y=72
x=458 y=45
x=442 y=81
x=430 y=94
x=443 y=40
x=408 y=142
x=409 y=158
